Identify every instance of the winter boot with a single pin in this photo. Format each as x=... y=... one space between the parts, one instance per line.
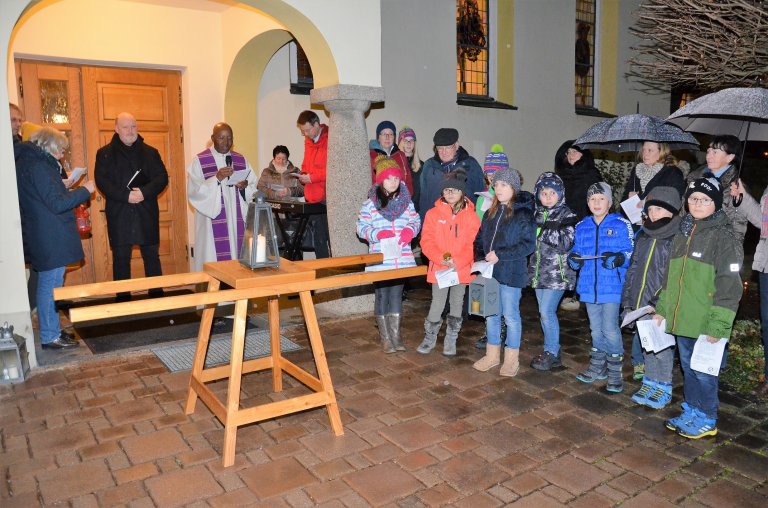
x=596 y=369
x=511 y=362
x=393 y=325
x=386 y=341
x=546 y=361
x=615 y=380
x=452 y=330
x=491 y=359
x=431 y=329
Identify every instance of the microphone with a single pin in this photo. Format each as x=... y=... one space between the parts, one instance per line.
x=228 y=160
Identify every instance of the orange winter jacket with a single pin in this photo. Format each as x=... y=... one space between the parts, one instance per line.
x=444 y=232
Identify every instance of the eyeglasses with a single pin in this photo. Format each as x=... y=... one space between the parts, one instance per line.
x=700 y=201
x=451 y=191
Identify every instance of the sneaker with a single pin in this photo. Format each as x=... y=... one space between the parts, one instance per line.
x=641 y=396
x=686 y=416
x=482 y=342
x=59 y=343
x=660 y=397
x=638 y=371
x=569 y=304
x=699 y=427
x=546 y=361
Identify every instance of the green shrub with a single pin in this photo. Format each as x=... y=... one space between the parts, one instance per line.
x=745 y=368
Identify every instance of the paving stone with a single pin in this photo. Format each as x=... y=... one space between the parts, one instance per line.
x=122 y=494
x=182 y=487
x=742 y=460
x=133 y=411
x=572 y=428
x=676 y=487
x=369 y=483
x=135 y=473
x=526 y=483
x=591 y=500
x=470 y=473
x=327 y=446
x=367 y=405
x=504 y=437
x=154 y=445
x=479 y=500
x=55 y=441
x=327 y=491
x=596 y=403
x=536 y=500
x=68 y=482
x=439 y=495
x=630 y=483
x=412 y=435
x=276 y=477
x=642 y=460
x=646 y=499
x=572 y=474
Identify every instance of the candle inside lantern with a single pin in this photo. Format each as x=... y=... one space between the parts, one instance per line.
x=261 y=249
x=475 y=306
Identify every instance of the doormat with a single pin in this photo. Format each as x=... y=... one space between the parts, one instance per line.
x=178 y=357
x=120 y=333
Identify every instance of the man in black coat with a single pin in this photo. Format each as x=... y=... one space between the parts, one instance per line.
x=131 y=175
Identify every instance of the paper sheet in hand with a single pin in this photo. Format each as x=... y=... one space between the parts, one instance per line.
x=587 y=258
x=390 y=249
x=636 y=314
x=653 y=337
x=634 y=214
x=238 y=176
x=447 y=278
x=487 y=201
x=483 y=267
x=77 y=173
x=708 y=357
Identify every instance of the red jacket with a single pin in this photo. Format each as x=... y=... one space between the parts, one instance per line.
x=315 y=160
x=402 y=161
x=443 y=232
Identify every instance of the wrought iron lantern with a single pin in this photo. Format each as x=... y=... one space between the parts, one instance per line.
x=484 y=297
x=14 y=362
x=259 y=249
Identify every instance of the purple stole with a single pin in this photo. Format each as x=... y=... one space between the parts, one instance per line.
x=219 y=224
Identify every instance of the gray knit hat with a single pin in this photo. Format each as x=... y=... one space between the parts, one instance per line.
x=601 y=188
x=664 y=197
x=510 y=176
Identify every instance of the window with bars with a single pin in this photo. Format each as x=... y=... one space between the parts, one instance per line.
x=302 y=80
x=472 y=47
x=585 y=53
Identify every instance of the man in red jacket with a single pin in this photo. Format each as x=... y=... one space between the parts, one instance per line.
x=313 y=174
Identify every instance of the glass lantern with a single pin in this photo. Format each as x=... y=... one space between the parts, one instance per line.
x=14 y=362
x=484 y=297
x=259 y=249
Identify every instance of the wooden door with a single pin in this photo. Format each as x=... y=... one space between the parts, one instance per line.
x=50 y=95
x=153 y=97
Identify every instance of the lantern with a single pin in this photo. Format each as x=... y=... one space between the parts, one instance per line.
x=484 y=297
x=259 y=249
x=14 y=363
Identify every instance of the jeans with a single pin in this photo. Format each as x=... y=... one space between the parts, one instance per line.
x=637 y=351
x=439 y=295
x=658 y=366
x=763 y=278
x=510 y=309
x=321 y=237
x=604 y=325
x=700 y=389
x=47 y=316
x=388 y=297
x=549 y=299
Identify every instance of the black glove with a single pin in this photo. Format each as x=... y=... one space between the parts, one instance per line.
x=613 y=260
x=575 y=261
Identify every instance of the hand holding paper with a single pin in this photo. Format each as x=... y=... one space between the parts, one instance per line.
x=634 y=214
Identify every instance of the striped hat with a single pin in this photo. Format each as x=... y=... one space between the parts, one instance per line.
x=406 y=132
x=495 y=160
x=386 y=167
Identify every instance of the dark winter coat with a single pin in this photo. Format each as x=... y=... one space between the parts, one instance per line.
x=577 y=178
x=738 y=220
x=513 y=240
x=555 y=229
x=433 y=172
x=51 y=239
x=648 y=266
x=375 y=150
x=596 y=283
x=668 y=176
x=416 y=177
x=116 y=163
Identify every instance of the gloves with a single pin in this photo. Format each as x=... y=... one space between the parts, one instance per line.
x=384 y=234
x=613 y=260
x=575 y=261
x=406 y=235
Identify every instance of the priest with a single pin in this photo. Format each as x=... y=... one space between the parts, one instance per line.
x=220 y=196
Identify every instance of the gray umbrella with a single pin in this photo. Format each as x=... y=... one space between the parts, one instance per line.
x=627 y=134
x=742 y=112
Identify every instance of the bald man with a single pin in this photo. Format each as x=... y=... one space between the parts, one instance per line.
x=220 y=206
x=130 y=174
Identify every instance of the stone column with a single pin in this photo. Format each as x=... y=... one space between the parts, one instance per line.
x=348 y=178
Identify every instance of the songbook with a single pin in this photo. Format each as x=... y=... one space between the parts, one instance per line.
x=132 y=179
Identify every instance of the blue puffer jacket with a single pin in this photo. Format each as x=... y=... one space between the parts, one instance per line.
x=513 y=241
x=598 y=284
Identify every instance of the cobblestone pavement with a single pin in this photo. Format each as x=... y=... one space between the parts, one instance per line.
x=419 y=431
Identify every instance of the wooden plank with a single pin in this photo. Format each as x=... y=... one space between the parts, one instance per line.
x=139 y=284
x=237 y=276
x=222 y=371
x=273 y=306
x=302 y=375
x=210 y=400
x=235 y=379
x=201 y=349
x=341 y=261
x=280 y=408
x=177 y=302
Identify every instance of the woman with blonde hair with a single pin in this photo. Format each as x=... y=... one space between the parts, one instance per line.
x=406 y=142
x=656 y=167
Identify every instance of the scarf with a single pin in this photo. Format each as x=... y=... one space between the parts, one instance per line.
x=686 y=225
x=645 y=173
x=396 y=206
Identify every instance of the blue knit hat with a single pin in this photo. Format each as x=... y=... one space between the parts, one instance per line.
x=495 y=160
x=549 y=180
x=386 y=124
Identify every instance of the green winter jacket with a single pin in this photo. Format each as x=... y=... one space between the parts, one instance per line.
x=703 y=287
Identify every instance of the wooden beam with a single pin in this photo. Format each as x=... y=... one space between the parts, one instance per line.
x=116 y=286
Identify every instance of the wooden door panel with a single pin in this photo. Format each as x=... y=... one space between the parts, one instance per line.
x=146 y=103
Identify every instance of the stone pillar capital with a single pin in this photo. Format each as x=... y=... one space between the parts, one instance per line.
x=347 y=96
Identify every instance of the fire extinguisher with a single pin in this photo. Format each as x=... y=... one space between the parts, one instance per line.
x=83 y=219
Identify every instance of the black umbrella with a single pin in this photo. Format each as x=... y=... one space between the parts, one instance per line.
x=742 y=112
x=628 y=132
